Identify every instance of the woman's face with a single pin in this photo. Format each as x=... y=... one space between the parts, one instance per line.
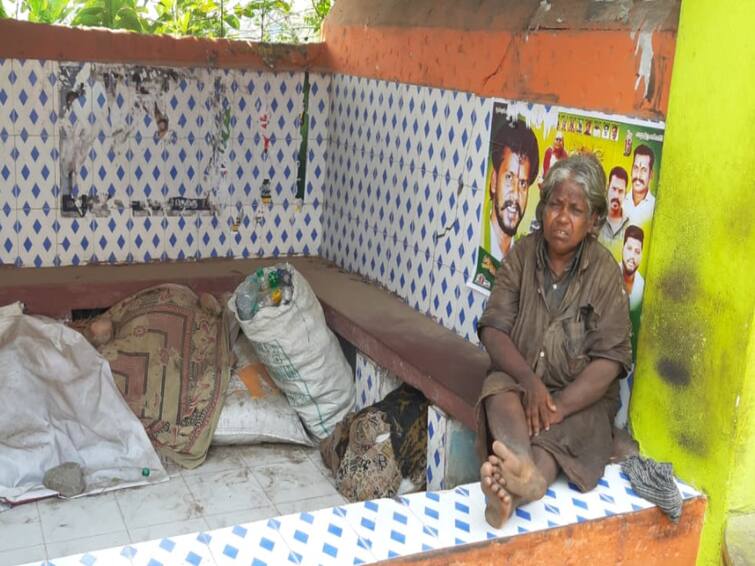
x=566 y=218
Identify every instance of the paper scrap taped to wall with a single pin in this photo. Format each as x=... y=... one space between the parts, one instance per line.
x=526 y=140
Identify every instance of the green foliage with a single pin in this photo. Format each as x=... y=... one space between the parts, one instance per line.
x=113 y=14
x=47 y=11
x=321 y=8
x=268 y=16
x=264 y=20
x=200 y=18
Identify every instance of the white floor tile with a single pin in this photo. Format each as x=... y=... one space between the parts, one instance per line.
x=171 y=468
x=20 y=527
x=284 y=483
x=316 y=459
x=64 y=520
x=223 y=520
x=171 y=529
x=115 y=556
x=28 y=555
x=223 y=492
x=219 y=459
x=169 y=501
x=311 y=504
x=86 y=544
x=263 y=455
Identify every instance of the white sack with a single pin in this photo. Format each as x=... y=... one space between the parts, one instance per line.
x=303 y=357
x=59 y=404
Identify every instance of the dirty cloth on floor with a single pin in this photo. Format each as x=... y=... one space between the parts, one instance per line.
x=372 y=451
x=59 y=404
x=654 y=481
x=171 y=361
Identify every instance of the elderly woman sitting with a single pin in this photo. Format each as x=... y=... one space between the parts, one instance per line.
x=557 y=331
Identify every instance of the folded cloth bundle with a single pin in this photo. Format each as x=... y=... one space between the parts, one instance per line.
x=654 y=481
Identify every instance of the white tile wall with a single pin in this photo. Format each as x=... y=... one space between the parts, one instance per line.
x=106 y=136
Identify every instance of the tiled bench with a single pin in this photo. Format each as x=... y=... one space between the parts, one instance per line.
x=608 y=525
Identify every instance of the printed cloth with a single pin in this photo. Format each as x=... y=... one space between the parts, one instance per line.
x=170 y=360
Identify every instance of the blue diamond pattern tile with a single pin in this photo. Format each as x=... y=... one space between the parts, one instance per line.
x=37 y=172
x=455 y=305
x=8 y=154
x=7 y=96
x=112 y=236
x=476 y=153
x=147 y=238
x=323 y=537
x=372 y=382
x=184 y=549
x=214 y=234
x=180 y=238
x=258 y=542
x=37 y=237
x=33 y=97
x=320 y=88
x=387 y=528
x=437 y=422
x=458 y=227
x=9 y=250
x=75 y=241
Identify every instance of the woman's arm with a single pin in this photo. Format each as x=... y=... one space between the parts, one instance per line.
x=588 y=388
x=505 y=355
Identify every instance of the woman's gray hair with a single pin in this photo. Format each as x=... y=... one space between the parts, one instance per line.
x=587 y=172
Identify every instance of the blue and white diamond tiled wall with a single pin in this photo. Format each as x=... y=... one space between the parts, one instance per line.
x=118 y=134
x=373 y=383
x=403 y=194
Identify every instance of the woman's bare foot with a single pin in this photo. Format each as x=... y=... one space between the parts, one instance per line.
x=500 y=504
x=517 y=474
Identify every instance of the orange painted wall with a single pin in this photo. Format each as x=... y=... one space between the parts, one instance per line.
x=568 y=58
x=596 y=70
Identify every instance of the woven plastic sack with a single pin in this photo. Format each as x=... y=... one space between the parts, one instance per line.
x=302 y=356
x=255 y=409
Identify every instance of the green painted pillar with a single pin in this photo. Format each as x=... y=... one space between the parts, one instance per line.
x=693 y=399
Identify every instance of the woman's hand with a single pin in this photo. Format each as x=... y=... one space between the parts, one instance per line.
x=539 y=408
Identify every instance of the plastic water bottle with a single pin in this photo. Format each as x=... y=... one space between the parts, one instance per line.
x=261 y=280
x=247 y=298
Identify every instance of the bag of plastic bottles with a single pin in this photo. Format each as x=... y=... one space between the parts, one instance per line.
x=280 y=314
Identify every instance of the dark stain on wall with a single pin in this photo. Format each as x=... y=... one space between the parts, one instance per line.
x=679 y=283
x=674 y=372
x=692 y=443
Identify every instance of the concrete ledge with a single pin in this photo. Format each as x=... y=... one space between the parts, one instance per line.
x=642 y=538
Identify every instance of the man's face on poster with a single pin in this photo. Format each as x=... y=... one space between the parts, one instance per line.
x=631 y=255
x=509 y=187
x=617 y=189
x=641 y=174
